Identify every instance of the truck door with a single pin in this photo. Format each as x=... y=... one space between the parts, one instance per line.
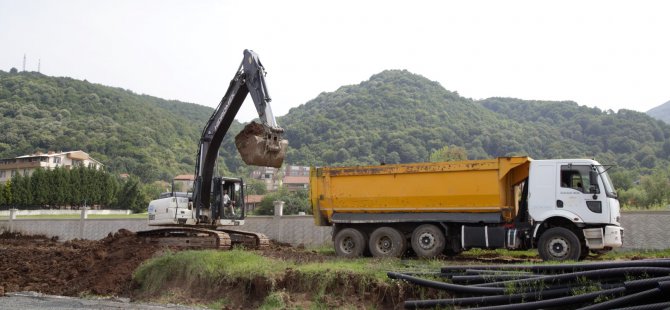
x=579 y=194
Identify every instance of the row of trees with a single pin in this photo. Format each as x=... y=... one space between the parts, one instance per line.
x=74 y=188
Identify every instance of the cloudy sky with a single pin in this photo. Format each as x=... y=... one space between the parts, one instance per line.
x=609 y=54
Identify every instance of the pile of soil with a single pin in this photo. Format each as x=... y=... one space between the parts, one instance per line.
x=72 y=268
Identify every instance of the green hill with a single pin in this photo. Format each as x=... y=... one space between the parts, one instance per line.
x=138 y=134
x=394 y=117
x=661 y=112
x=399 y=117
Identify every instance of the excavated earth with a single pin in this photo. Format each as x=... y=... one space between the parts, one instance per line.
x=105 y=267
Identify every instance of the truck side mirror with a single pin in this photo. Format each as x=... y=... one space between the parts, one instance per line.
x=593 y=180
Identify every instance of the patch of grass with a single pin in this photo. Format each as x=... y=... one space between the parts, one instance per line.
x=218 y=304
x=276 y=300
x=323 y=249
x=629 y=254
x=208 y=265
x=477 y=253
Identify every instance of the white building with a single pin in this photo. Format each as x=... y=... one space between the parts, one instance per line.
x=26 y=164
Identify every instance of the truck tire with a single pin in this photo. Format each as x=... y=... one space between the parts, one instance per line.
x=428 y=241
x=387 y=242
x=350 y=243
x=559 y=243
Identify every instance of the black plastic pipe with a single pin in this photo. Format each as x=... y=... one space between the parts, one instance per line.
x=487 y=300
x=558 y=302
x=447 y=286
x=589 y=274
x=625 y=300
x=563 y=267
x=654 y=306
x=478 y=279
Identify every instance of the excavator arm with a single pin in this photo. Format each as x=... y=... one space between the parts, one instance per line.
x=258 y=144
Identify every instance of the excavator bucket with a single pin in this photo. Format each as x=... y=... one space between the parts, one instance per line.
x=260 y=145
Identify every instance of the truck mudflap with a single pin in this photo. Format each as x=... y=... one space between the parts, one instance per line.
x=598 y=238
x=260 y=145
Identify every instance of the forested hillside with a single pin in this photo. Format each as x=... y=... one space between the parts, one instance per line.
x=661 y=112
x=394 y=117
x=146 y=136
x=397 y=116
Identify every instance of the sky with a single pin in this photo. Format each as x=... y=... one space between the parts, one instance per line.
x=606 y=54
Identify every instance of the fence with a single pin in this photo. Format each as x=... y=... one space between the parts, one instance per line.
x=643 y=230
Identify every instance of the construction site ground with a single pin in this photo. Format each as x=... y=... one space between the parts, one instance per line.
x=105 y=268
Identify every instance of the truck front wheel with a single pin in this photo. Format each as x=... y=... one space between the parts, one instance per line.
x=387 y=242
x=559 y=243
x=428 y=241
x=349 y=242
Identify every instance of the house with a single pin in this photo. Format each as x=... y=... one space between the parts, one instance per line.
x=26 y=164
x=295 y=183
x=251 y=202
x=296 y=176
x=183 y=182
x=269 y=176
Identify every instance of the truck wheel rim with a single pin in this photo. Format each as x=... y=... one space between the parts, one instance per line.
x=348 y=245
x=559 y=247
x=385 y=244
x=426 y=241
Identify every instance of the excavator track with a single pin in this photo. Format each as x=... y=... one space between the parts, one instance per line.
x=249 y=239
x=187 y=237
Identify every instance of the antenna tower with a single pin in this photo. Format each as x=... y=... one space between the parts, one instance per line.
x=24 y=62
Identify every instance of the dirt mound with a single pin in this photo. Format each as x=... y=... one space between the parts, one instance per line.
x=39 y=263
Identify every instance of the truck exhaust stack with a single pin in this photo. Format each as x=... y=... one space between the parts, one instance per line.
x=261 y=145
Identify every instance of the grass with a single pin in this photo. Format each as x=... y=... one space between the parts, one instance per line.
x=190 y=270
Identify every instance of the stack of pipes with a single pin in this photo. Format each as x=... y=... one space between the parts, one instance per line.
x=640 y=284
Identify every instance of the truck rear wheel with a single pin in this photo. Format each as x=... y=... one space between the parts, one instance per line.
x=428 y=241
x=559 y=243
x=349 y=242
x=387 y=242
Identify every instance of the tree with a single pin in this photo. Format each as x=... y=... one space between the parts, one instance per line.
x=255 y=187
x=294 y=202
x=131 y=196
x=7 y=188
x=39 y=185
x=449 y=153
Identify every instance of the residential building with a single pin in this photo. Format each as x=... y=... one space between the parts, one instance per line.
x=252 y=202
x=291 y=177
x=26 y=164
x=269 y=176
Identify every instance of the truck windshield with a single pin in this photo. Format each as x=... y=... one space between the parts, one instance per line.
x=609 y=188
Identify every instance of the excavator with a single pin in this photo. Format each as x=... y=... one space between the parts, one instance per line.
x=198 y=218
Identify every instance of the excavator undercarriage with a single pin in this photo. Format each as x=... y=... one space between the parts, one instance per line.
x=202 y=238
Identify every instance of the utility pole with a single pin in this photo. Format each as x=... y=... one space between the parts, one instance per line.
x=39 y=63
x=24 y=62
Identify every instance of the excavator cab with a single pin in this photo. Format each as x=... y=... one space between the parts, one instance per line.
x=228 y=202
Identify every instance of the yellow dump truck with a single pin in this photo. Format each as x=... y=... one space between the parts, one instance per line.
x=565 y=208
